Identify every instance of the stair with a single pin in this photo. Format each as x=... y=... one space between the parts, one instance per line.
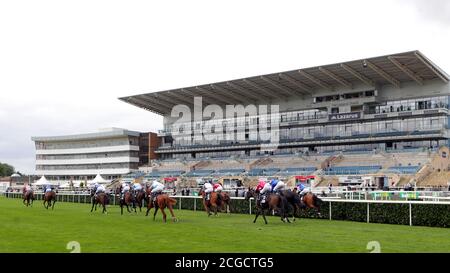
x=199 y=165
x=260 y=162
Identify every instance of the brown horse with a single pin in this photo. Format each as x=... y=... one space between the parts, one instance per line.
x=162 y=201
x=28 y=197
x=50 y=199
x=225 y=202
x=127 y=201
x=140 y=197
x=101 y=198
x=213 y=203
x=273 y=202
x=293 y=199
x=310 y=200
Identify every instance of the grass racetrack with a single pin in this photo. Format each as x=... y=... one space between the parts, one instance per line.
x=35 y=229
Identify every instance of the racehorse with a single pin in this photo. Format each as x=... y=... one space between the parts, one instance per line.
x=310 y=200
x=225 y=202
x=100 y=198
x=162 y=201
x=139 y=198
x=49 y=198
x=293 y=199
x=273 y=202
x=213 y=203
x=27 y=197
x=127 y=200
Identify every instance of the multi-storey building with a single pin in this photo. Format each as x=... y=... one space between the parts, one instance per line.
x=390 y=102
x=109 y=152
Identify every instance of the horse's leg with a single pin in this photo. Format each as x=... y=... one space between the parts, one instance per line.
x=207 y=209
x=104 y=207
x=121 y=209
x=174 y=218
x=258 y=211
x=24 y=201
x=154 y=214
x=54 y=201
x=318 y=211
x=214 y=208
x=164 y=215
x=264 y=216
x=284 y=212
x=44 y=204
x=93 y=203
x=148 y=209
x=296 y=212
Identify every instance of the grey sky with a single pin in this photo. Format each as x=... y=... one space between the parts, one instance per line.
x=432 y=10
x=64 y=64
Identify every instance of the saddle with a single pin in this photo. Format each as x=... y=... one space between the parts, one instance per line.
x=155 y=197
x=263 y=198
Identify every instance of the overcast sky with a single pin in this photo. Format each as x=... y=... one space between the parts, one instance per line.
x=63 y=64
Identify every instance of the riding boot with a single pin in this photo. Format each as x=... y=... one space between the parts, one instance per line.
x=219 y=197
x=154 y=195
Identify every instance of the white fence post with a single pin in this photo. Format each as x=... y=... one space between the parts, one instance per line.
x=180 y=203
x=368 y=212
x=330 y=209
x=250 y=206
x=410 y=214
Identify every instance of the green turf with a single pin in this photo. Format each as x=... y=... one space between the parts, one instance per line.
x=38 y=230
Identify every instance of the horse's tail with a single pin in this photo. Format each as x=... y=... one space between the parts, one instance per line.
x=171 y=201
x=317 y=201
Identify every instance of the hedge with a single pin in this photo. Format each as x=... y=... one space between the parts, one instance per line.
x=432 y=215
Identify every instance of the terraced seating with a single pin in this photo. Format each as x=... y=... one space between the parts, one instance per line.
x=229 y=172
x=199 y=173
x=172 y=173
x=349 y=170
x=294 y=171
x=404 y=169
x=263 y=172
x=134 y=175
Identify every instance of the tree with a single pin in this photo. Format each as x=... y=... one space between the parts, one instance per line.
x=6 y=170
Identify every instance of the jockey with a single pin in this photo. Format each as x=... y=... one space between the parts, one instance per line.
x=218 y=188
x=260 y=185
x=157 y=188
x=100 y=188
x=266 y=188
x=303 y=190
x=125 y=188
x=277 y=186
x=47 y=188
x=137 y=187
x=208 y=188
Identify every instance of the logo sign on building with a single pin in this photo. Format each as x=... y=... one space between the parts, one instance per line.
x=346 y=116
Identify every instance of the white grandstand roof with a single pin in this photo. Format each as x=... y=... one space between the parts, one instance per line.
x=103 y=133
x=393 y=70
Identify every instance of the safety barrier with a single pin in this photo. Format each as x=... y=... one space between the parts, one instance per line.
x=420 y=213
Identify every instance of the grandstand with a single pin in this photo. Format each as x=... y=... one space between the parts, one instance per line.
x=382 y=116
